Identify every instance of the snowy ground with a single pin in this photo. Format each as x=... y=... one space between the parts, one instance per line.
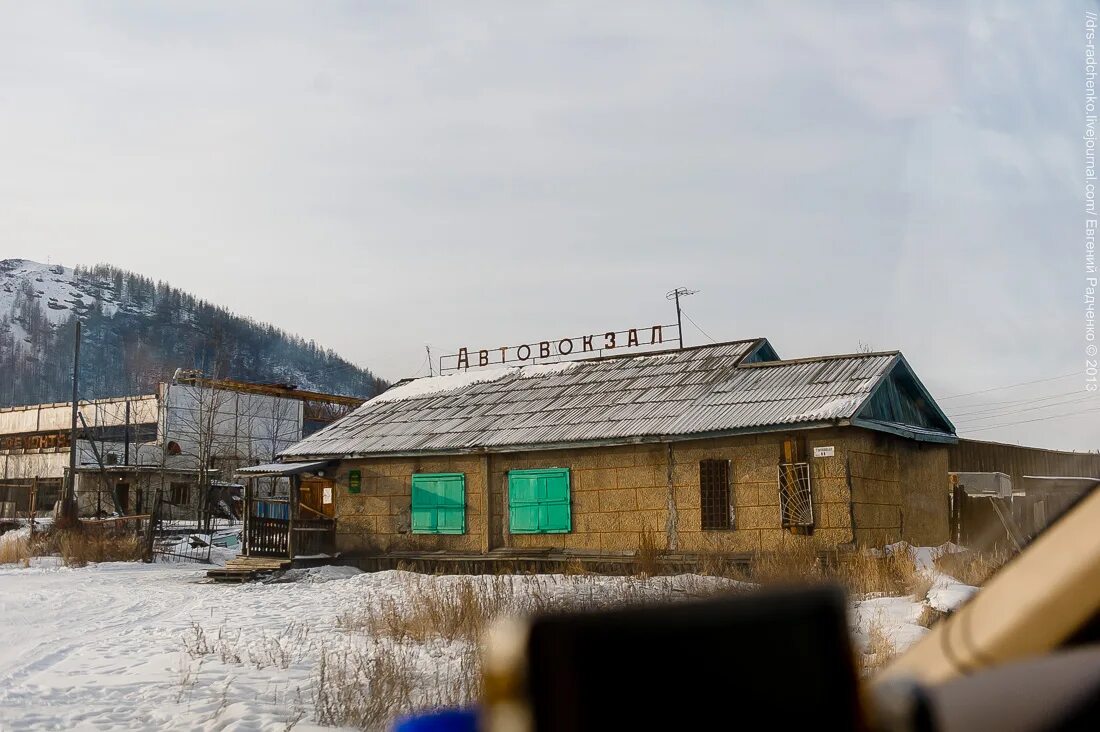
x=106 y=646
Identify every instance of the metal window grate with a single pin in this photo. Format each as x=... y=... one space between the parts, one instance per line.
x=714 y=494
x=796 y=508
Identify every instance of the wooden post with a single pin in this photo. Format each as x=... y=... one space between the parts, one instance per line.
x=150 y=528
x=505 y=515
x=486 y=503
x=245 y=520
x=292 y=509
x=33 y=505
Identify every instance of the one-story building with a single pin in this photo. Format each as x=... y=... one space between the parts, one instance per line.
x=721 y=448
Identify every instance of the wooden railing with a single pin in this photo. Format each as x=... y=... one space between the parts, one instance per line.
x=314 y=536
x=268 y=537
x=273 y=531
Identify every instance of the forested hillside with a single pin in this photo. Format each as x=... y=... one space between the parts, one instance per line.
x=136 y=333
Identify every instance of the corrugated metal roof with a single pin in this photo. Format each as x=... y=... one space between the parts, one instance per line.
x=258 y=471
x=699 y=390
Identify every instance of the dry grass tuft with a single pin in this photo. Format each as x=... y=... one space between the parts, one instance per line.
x=462 y=608
x=880 y=649
x=895 y=574
x=970 y=567
x=15 y=549
x=717 y=565
x=647 y=558
x=461 y=612
x=79 y=548
x=862 y=572
x=367 y=685
x=929 y=616
x=574 y=567
x=798 y=562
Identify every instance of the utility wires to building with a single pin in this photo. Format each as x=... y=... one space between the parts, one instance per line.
x=977 y=413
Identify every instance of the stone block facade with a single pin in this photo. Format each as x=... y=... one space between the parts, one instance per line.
x=873 y=490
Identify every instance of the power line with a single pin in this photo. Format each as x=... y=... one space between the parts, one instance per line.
x=1010 y=386
x=1023 y=410
x=1037 y=419
x=981 y=407
x=708 y=335
x=1026 y=403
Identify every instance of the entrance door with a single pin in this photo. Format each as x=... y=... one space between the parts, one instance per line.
x=122 y=491
x=317 y=498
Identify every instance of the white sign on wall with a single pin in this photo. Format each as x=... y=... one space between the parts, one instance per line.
x=824 y=451
x=327 y=494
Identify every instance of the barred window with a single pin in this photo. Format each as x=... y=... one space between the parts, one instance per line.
x=714 y=494
x=796 y=508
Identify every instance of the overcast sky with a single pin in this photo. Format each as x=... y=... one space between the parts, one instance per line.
x=380 y=176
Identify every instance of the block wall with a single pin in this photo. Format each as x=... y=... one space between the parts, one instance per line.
x=624 y=495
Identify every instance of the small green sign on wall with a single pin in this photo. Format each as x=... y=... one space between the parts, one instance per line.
x=355 y=481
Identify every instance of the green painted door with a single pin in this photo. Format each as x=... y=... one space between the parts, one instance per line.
x=439 y=503
x=538 y=501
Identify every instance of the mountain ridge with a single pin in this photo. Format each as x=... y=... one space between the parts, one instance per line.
x=136 y=332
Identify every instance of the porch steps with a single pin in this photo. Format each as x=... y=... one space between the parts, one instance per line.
x=246 y=569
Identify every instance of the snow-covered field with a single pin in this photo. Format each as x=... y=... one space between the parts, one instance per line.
x=117 y=646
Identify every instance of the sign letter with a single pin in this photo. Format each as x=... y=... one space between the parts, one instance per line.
x=609 y=340
x=544 y=349
x=463 y=358
x=632 y=337
x=483 y=357
x=656 y=336
x=561 y=346
x=523 y=352
x=586 y=344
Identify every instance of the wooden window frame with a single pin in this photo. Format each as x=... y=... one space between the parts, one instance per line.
x=182 y=486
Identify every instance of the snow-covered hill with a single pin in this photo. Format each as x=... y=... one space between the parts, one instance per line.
x=137 y=332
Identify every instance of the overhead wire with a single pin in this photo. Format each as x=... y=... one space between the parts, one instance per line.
x=1007 y=403
x=1036 y=419
x=1023 y=410
x=1010 y=386
x=697 y=327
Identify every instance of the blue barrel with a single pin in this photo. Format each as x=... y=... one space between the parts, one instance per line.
x=449 y=720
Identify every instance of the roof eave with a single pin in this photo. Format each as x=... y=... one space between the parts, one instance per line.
x=939 y=438
x=611 y=442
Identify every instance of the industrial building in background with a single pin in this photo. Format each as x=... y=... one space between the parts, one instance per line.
x=185 y=441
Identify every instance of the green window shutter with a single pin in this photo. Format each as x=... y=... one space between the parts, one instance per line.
x=439 y=503
x=539 y=502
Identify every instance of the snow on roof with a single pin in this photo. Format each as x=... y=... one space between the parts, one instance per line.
x=430 y=385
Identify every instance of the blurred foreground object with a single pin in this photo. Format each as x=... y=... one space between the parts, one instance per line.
x=784 y=653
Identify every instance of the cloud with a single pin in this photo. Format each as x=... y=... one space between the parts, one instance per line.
x=380 y=176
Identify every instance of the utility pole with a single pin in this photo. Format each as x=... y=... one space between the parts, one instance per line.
x=68 y=503
x=676 y=295
x=431 y=366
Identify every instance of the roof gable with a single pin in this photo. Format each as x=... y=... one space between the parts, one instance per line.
x=901 y=404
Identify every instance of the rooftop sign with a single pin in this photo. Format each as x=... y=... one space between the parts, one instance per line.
x=652 y=337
